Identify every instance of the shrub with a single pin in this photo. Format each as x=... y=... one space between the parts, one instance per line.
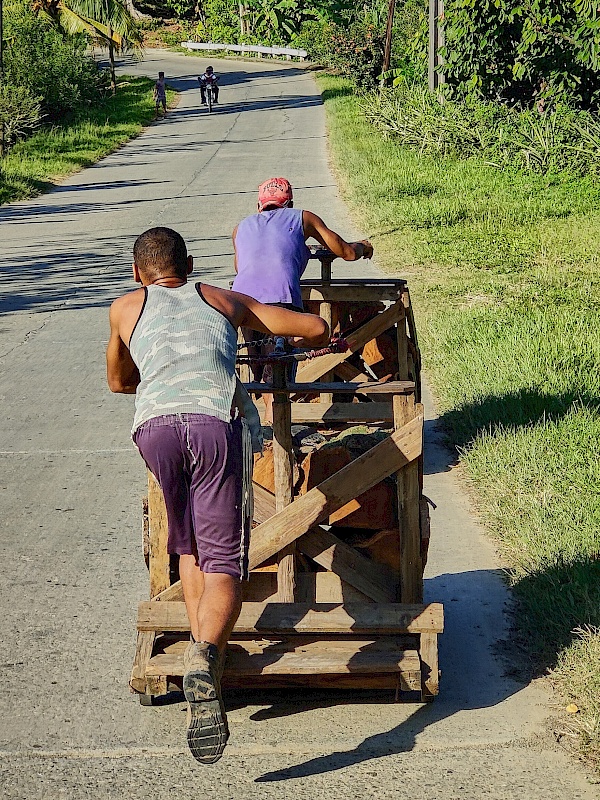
x=20 y=112
x=560 y=139
x=50 y=66
x=524 y=51
x=355 y=50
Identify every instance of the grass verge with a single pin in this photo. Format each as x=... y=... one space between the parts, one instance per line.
x=503 y=266
x=35 y=164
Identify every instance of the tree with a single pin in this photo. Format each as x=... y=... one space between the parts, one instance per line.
x=526 y=51
x=108 y=21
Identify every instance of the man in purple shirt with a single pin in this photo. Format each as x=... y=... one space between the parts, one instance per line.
x=271 y=253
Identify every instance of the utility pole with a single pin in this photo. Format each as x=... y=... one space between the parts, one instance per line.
x=436 y=41
x=387 y=53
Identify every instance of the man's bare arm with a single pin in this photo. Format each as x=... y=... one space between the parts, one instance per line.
x=121 y=372
x=349 y=251
x=240 y=309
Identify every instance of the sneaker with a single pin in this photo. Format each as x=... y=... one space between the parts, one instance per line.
x=207 y=732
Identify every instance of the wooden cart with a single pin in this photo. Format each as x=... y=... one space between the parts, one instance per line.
x=327 y=604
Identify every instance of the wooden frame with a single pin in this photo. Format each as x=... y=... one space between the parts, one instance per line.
x=318 y=610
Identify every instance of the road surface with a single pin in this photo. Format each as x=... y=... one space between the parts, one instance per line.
x=71 y=486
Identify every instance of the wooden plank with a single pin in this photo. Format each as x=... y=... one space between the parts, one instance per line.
x=326 y=313
x=264 y=504
x=411 y=568
x=402 y=339
x=410 y=318
x=173 y=592
x=326 y=587
x=428 y=652
x=341 y=412
x=283 y=457
x=361 y=657
x=370 y=578
x=143 y=652
x=243 y=370
x=402 y=447
x=311 y=587
x=306 y=618
x=156 y=684
x=312 y=370
x=348 y=372
x=351 y=294
x=395 y=681
x=159 y=561
x=368 y=388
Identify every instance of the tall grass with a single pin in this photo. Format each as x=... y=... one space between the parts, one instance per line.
x=503 y=264
x=33 y=165
x=558 y=139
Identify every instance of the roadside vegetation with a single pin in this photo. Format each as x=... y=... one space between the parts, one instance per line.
x=34 y=164
x=341 y=34
x=58 y=111
x=489 y=204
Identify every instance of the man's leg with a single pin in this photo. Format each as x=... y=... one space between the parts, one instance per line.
x=216 y=92
x=213 y=602
x=192 y=583
x=213 y=599
x=218 y=609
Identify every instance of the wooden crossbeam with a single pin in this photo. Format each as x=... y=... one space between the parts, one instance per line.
x=351 y=294
x=305 y=618
x=402 y=447
x=369 y=577
x=312 y=370
x=159 y=559
x=341 y=412
x=320 y=663
x=368 y=388
x=373 y=580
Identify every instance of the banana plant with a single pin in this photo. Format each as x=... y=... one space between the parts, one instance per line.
x=106 y=21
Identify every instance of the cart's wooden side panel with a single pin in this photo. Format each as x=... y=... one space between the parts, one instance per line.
x=158 y=557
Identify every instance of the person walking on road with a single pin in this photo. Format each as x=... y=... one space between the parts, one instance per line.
x=271 y=255
x=173 y=343
x=160 y=93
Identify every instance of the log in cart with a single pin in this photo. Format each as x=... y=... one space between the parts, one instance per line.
x=341 y=527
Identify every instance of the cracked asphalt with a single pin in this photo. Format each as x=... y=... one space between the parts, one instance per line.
x=70 y=518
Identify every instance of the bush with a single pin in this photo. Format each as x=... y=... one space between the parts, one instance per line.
x=220 y=23
x=560 y=139
x=50 y=66
x=356 y=50
x=524 y=52
x=20 y=112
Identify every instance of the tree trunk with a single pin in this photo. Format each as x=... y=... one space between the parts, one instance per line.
x=134 y=11
x=111 y=58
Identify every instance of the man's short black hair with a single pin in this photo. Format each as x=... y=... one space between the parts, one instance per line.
x=159 y=252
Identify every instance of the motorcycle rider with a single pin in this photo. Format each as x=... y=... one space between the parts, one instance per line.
x=209 y=78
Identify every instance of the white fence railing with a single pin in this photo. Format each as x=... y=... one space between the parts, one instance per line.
x=288 y=52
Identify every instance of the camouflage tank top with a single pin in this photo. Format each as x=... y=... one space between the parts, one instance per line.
x=185 y=352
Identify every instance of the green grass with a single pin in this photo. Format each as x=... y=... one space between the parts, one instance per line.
x=35 y=164
x=503 y=266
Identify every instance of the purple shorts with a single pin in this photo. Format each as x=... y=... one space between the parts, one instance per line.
x=197 y=460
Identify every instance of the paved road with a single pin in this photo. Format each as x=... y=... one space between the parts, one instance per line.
x=71 y=484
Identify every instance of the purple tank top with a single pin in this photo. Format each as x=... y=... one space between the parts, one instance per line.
x=271 y=256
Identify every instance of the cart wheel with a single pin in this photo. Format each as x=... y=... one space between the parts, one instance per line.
x=146 y=699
